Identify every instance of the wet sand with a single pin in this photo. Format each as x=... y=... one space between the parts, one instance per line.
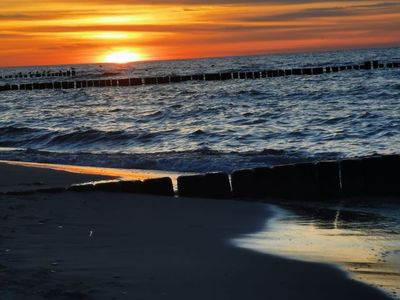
x=362 y=236
x=123 y=246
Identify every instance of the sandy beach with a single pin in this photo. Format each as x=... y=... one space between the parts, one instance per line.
x=127 y=246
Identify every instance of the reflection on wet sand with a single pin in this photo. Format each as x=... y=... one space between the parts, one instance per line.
x=360 y=236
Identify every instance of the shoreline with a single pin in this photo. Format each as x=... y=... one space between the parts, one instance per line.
x=102 y=171
x=103 y=245
x=88 y=173
x=354 y=238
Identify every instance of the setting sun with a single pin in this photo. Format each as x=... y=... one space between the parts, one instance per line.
x=121 y=57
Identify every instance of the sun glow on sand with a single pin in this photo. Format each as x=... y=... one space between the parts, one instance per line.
x=122 y=57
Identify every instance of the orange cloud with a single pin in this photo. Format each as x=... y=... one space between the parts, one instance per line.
x=58 y=32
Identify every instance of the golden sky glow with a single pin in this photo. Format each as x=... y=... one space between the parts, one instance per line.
x=71 y=31
x=121 y=57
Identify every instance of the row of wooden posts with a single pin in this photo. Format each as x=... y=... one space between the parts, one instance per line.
x=37 y=74
x=374 y=176
x=368 y=176
x=369 y=65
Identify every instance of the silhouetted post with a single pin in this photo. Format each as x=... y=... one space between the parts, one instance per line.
x=135 y=81
x=226 y=76
x=124 y=82
x=175 y=79
x=305 y=181
x=328 y=178
x=249 y=75
x=150 y=80
x=163 y=80
x=317 y=71
x=211 y=185
x=244 y=183
x=297 y=72
x=158 y=186
x=282 y=181
x=288 y=72
x=352 y=177
x=367 y=65
x=198 y=77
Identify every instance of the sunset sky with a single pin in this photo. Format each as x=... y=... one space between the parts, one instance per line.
x=86 y=31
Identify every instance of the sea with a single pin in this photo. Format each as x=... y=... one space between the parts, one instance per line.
x=203 y=126
x=207 y=126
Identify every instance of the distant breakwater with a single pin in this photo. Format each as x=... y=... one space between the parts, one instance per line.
x=125 y=82
x=38 y=74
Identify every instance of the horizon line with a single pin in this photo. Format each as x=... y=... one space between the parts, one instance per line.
x=216 y=57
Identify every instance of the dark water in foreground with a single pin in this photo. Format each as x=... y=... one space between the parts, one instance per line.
x=208 y=126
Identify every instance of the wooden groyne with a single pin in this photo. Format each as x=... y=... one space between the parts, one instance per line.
x=372 y=176
x=125 y=82
x=39 y=74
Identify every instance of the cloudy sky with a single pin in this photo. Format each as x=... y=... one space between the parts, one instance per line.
x=84 y=31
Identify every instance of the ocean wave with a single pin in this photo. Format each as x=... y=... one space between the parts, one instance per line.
x=209 y=126
x=87 y=136
x=200 y=160
x=14 y=130
x=11 y=136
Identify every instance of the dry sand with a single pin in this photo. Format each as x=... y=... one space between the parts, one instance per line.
x=123 y=246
